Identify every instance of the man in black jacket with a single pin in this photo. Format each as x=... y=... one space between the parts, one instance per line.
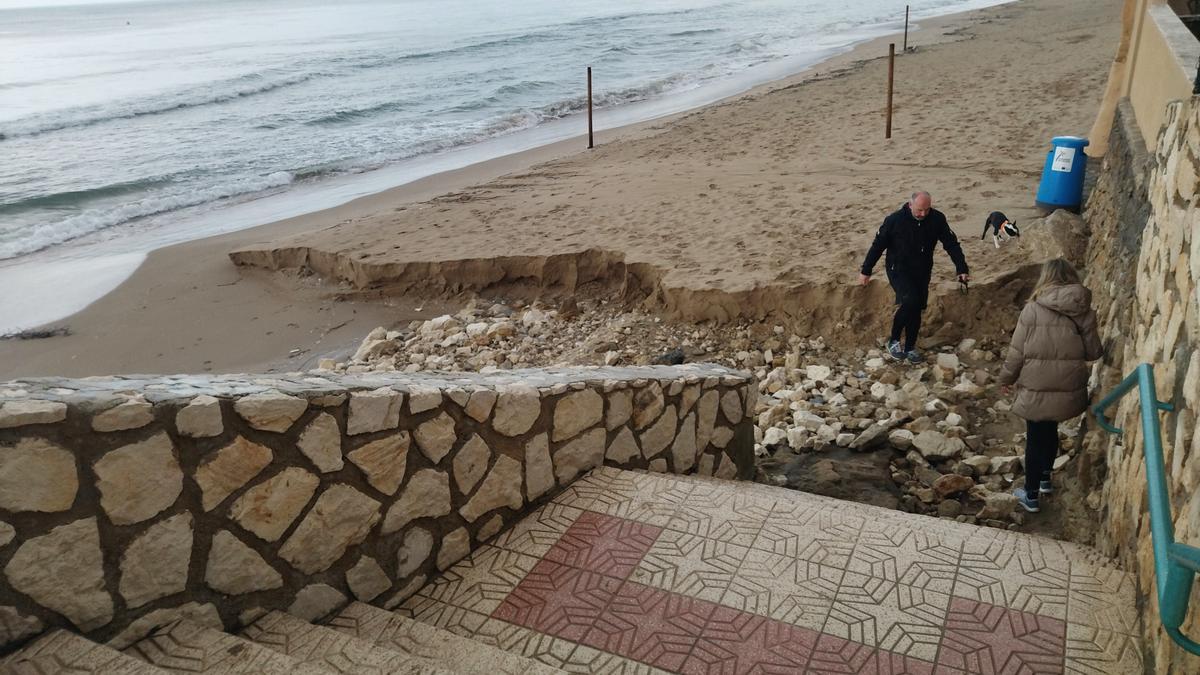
x=909 y=237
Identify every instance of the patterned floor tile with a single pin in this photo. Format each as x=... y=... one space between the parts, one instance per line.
x=691 y=565
x=596 y=662
x=802 y=530
x=647 y=498
x=984 y=638
x=922 y=559
x=835 y=655
x=1015 y=574
x=1095 y=650
x=885 y=614
x=558 y=600
x=730 y=517
x=1102 y=595
x=604 y=544
x=737 y=642
x=537 y=532
x=780 y=587
x=482 y=580
x=650 y=625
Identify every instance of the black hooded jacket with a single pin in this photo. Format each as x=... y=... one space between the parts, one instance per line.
x=909 y=244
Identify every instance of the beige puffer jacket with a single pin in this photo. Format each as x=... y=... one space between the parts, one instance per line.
x=1047 y=359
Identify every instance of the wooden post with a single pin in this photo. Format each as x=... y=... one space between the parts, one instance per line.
x=891 y=77
x=905 y=29
x=591 y=142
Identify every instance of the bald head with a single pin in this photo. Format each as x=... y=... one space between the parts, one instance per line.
x=920 y=203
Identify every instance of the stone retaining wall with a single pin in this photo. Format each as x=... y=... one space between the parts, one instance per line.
x=125 y=502
x=1144 y=266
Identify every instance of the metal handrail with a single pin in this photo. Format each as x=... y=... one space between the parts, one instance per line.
x=1175 y=564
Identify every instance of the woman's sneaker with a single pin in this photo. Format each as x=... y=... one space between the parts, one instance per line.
x=1030 y=505
x=913 y=356
x=1046 y=487
x=895 y=350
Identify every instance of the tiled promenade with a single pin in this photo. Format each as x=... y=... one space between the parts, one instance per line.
x=631 y=572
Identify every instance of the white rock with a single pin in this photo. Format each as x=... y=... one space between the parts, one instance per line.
x=1061 y=461
x=575 y=412
x=234 y=568
x=139 y=481
x=936 y=446
x=966 y=346
x=201 y=418
x=315 y=602
x=63 y=571
x=155 y=565
x=818 y=373
x=37 y=475
x=321 y=443
x=947 y=361
x=774 y=436
x=421 y=399
x=517 y=408
x=372 y=411
x=22 y=413
x=132 y=414
x=270 y=410
x=1007 y=464
x=844 y=440
x=539 y=469
x=413 y=552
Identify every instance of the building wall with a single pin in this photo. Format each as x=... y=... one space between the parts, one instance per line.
x=1164 y=61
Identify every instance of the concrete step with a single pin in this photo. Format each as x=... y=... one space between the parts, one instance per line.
x=450 y=651
x=61 y=652
x=331 y=649
x=186 y=647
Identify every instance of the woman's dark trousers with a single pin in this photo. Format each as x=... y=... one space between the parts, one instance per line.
x=1041 y=447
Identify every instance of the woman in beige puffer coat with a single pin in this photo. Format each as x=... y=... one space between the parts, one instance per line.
x=1047 y=359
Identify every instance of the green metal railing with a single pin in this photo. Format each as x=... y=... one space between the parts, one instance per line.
x=1175 y=564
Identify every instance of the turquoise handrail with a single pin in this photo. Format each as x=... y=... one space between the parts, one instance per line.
x=1175 y=564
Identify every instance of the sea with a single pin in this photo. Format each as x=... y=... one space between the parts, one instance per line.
x=126 y=126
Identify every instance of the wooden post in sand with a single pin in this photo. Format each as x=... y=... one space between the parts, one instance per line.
x=891 y=76
x=905 y=29
x=591 y=143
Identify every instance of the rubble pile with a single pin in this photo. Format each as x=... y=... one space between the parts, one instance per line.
x=950 y=442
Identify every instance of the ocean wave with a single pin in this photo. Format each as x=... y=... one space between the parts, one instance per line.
x=211 y=94
x=353 y=114
x=72 y=198
x=88 y=222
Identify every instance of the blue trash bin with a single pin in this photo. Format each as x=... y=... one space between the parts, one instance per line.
x=1062 y=177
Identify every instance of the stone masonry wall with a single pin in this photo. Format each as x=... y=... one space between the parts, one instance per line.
x=1144 y=266
x=127 y=502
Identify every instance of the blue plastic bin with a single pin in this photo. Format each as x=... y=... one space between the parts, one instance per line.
x=1062 y=177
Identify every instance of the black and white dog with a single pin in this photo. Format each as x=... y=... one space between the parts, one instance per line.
x=1002 y=228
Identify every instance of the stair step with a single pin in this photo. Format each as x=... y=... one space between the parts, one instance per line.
x=187 y=647
x=62 y=652
x=449 y=650
x=332 y=649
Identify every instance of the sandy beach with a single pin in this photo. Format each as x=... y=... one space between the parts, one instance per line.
x=759 y=207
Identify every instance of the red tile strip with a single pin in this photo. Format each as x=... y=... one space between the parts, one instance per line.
x=984 y=638
x=604 y=544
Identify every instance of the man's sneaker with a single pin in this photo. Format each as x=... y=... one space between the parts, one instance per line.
x=1030 y=505
x=913 y=356
x=895 y=350
x=1046 y=487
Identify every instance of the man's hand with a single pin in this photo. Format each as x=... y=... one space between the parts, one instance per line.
x=864 y=279
x=964 y=277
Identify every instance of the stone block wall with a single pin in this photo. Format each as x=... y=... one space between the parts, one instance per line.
x=1144 y=266
x=126 y=502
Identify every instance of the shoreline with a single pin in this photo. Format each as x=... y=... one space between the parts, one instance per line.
x=114 y=264
x=189 y=309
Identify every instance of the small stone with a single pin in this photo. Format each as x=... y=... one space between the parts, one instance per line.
x=728 y=469
x=384 y=461
x=371 y=411
x=421 y=399
x=479 y=406
x=426 y=495
x=470 y=463
x=979 y=463
x=315 y=602
x=952 y=483
x=579 y=456
x=341 y=518
x=648 y=404
x=22 y=413
x=234 y=568
x=367 y=579
x=997 y=505
x=901 y=439
x=138 y=481
x=267 y=509
x=620 y=408
x=623 y=448
x=156 y=564
x=658 y=465
x=227 y=469
x=816 y=374
x=15 y=626
x=936 y=446
x=63 y=571
x=7 y=533
x=1060 y=462
x=413 y=553
x=321 y=443
x=455 y=547
x=539 y=469
x=1003 y=465
x=843 y=440
x=575 y=412
x=270 y=410
x=201 y=418
x=656 y=439
x=731 y=405
x=131 y=414
x=721 y=437
x=436 y=437
x=517 y=408
x=949 y=509
x=706 y=419
x=37 y=475
x=683 y=448
x=501 y=487
x=947 y=362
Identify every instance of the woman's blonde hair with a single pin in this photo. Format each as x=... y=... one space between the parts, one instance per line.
x=1056 y=272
